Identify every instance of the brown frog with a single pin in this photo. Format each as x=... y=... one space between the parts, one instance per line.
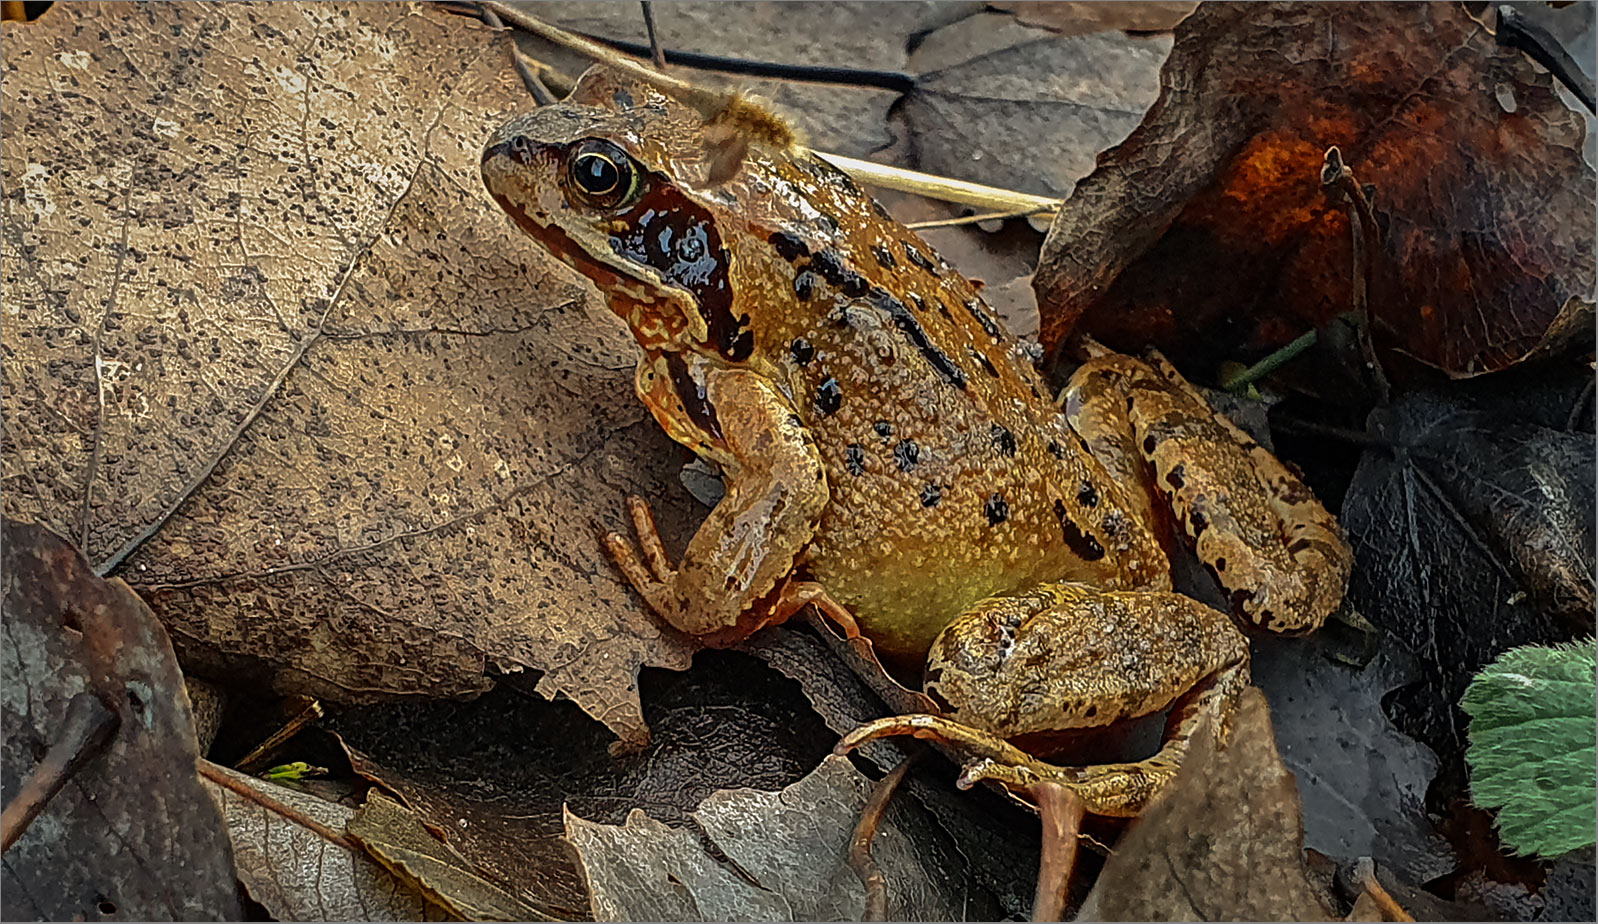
x=893 y=458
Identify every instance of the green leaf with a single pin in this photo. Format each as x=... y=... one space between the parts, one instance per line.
x=1533 y=733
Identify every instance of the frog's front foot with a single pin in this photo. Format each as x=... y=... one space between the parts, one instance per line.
x=649 y=570
x=644 y=563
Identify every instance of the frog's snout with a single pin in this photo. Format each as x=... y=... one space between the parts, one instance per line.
x=515 y=147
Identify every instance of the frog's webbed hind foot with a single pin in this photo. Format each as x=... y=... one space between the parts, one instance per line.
x=1121 y=789
x=1067 y=656
x=1270 y=544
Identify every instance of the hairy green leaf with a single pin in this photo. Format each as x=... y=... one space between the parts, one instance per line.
x=1532 y=740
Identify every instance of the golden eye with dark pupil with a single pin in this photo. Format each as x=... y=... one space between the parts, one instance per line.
x=601 y=174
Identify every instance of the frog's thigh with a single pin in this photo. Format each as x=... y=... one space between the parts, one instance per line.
x=1067 y=656
x=1277 y=552
x=774 y=499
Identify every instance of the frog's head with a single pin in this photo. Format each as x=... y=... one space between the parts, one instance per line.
x=598 y=189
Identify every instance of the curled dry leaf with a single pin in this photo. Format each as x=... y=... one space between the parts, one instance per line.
x=289 y=864
x=273 y=355
x=790 y=848
x=1206 y=233
x=1224 y=843
x=132 y=834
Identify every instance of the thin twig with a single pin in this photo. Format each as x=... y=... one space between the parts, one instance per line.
x=860 y=858
x=1362 y=227
x=250 y=762
x=221 y=778
x=85 y=731
x=897 y=81
x=540 y=93
x=975 y=195
x=1365 y=878
x=1061 y=812
x=976 y=219
x=656 y=53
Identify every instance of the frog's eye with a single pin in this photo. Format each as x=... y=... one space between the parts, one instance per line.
x=602 y=175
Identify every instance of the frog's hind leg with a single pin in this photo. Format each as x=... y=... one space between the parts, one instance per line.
x=1066 y=656
x=1270 y=544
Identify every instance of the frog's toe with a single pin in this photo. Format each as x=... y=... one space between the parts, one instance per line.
x=649 y=538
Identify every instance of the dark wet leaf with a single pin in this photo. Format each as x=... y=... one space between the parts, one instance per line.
x=1224 y=844
x=132 y=835
x=1473 y=533
x=1207 y=234
x=998 y=839
x=1362 y=783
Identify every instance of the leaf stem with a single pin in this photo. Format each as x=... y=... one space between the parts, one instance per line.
x=1239 y=381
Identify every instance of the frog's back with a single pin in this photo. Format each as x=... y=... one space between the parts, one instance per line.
x=953 y=474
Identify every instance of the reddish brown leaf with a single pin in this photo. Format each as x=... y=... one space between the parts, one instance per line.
x=1207 y=233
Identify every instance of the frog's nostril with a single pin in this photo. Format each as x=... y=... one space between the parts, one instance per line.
x=518 y=148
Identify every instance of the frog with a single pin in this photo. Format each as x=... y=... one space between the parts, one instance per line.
x=894 y=459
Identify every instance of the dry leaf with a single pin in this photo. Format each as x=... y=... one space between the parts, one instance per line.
x=274 y=355
x=1079 y=18
x=296 y=872
x=1026 y=109
x=398 y=840
x=132 y=835
x=790 y=848
x=495 y=772
x=1207 y=234
x=1224 y=843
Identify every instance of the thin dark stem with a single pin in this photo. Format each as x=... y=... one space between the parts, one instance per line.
x=897 y=81
x=1340 y=434
x=85 y=731
x=1362 y=226
x=860 y=858
x=1271 y=363
x=540 y=93
x=1516 y=31
x=657 y=53
x=1581 y=404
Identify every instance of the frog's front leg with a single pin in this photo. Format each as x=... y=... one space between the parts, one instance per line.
x=1270 y=544
x=733 y=578
x=1066 y=656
